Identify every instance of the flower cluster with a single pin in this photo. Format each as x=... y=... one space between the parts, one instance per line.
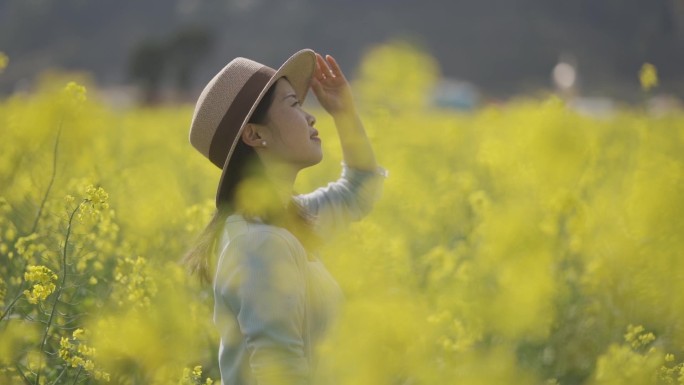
x=135 y=284
x=671 y=373
x=632 y=363
x=97 y=197
x=637 y=336
x=27 y=248
x=194 y=377
x=95 y=202
x=43 y=280
x=78 y=355
x=197 y=216
x=75 y=91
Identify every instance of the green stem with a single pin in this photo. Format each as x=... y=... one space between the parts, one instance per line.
x=40 y=211
x=59 y=289
x=60 y=375
x=80 y=368
x=23 y=376
x=16 y=298
x=52 y=177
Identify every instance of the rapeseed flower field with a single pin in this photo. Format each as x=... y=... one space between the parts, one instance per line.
x=520 y=244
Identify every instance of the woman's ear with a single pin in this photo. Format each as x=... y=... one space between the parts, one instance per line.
x=250 y=136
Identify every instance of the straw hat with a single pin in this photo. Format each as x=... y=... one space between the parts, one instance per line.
x=228 y=101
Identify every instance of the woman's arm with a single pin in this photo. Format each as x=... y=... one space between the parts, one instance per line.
x=334 y=94
x=352 y=196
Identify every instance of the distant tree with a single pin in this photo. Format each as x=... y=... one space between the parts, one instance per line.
x=147 y=66
x=186 y=49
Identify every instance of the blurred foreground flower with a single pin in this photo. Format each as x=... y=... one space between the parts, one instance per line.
x=648 y=76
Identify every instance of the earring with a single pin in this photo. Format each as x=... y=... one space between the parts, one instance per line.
x=263 y=143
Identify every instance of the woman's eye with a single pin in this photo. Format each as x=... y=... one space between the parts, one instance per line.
x=296 y=103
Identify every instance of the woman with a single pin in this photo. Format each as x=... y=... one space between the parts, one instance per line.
x=273 y=297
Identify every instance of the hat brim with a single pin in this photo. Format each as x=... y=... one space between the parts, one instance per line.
x=298 y=69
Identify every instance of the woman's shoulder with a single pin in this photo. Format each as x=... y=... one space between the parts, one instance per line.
x=254 y=234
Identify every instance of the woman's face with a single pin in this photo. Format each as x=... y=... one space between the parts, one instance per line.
x=289 y=133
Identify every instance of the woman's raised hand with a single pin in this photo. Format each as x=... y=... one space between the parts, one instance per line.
x=331 y=87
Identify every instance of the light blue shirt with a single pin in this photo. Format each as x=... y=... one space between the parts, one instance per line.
x=272 y=300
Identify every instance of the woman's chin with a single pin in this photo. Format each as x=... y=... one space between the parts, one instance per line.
x=318 y=160
x=315 y=159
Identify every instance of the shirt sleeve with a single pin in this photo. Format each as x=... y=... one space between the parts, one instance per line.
x=348 y=199
x=264 y=285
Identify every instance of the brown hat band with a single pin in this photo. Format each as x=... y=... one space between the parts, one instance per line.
x=231 y=122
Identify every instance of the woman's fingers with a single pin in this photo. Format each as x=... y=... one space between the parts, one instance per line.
x=328 y=73
x=322 y=67
x=318 y=71
x=330 y=85
x=334 y=67
x=329 y=69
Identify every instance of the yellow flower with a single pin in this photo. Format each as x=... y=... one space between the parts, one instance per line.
x=100 y=375
x=10 y=234
x=44 y=283
x=638 y=337
x=78 y=333
x=97 y=196
x=4 y=60
x=194 y=377
x=76 y=91
x=27 y=248
x=648 y=76
x=96 y=203
x=76 y=354
x=135 y=285
x=39 y=274
x=197 y=371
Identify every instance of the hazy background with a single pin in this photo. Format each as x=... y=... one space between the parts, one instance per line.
x=503 y=47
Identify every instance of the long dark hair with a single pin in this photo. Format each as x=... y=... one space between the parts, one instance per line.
x=248 y=169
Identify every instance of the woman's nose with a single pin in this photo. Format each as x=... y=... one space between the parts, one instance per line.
x=310 y=119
